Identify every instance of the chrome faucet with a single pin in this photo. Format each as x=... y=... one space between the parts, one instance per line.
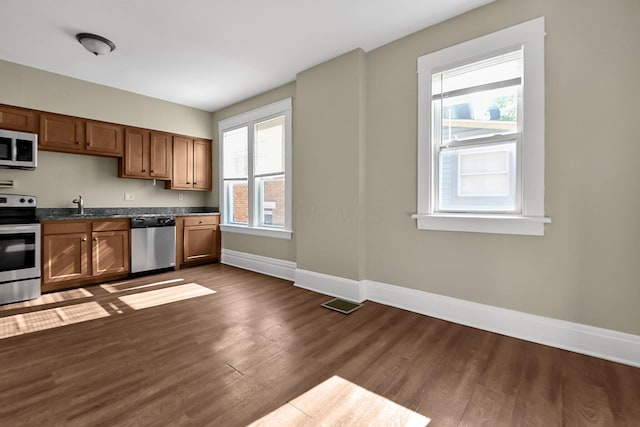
x=80 y=204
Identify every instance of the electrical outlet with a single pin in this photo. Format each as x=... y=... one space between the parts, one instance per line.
x=129 y=196
x=180 y=196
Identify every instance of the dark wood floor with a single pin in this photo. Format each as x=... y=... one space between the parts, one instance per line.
x=231 y=357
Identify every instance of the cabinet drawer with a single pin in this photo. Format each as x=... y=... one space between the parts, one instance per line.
x=111 y=225
x=201 y=220
x=64 y=227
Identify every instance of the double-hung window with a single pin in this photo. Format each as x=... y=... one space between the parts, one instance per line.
x=481 y=134
x=255 y=165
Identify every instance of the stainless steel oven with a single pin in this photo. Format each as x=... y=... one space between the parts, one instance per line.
x=19 y=249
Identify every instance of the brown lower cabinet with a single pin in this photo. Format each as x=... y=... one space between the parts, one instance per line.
x=197 y=239
x=81 y=252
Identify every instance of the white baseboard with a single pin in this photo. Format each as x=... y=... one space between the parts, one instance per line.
x=590 y=340
x=349 y=289
x=259 y=264
x=598 y=342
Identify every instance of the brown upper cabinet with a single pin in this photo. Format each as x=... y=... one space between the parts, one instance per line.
x=61 y=133
x=147 y=155
x=70 y=134
x=191 y=164
x=161 y=155
x=104 y=139
x=135 y=163
x=184 y=162
x=20 y=119
x=202 y=165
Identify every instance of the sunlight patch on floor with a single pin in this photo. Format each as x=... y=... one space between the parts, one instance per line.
x=52 y=318
x=165 y=295
x=338 y=402
x=42 y=319
x=113 y=288
x=51 y=298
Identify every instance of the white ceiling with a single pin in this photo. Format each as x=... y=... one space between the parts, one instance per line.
x=206 y=54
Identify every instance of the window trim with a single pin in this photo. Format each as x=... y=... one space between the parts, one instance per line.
x=266 y=112
x=531 y=220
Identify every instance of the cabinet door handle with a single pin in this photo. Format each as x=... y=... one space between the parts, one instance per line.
x=95 y=239
x=144 y=170
x=78 y=142
x=151 y=170
x=188 y=182
x=84 y=239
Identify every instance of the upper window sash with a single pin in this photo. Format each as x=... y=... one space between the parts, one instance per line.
x=530 y=36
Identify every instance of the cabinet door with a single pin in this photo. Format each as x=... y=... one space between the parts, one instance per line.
x=61 y=133
x=136 y=153
x=105 y=139
x=19 y=119
x=160 y=155
x=202 y=165
x=110 y=252
x=200 y=243
x=64 y=257
x=182 y=163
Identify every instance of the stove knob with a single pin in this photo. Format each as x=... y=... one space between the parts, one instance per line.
x=30 y=200
x=22 y=200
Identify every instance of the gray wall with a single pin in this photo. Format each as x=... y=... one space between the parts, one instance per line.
x=61 y=177
x=585 y=269
x=328 y=167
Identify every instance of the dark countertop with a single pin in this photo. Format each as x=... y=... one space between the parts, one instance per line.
x=89 y=213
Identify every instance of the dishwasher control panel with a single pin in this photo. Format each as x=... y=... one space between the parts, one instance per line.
x=153 y=221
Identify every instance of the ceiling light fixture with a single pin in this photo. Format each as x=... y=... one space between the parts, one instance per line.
x=95 y=44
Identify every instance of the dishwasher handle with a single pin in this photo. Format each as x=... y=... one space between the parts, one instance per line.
x=138 y=223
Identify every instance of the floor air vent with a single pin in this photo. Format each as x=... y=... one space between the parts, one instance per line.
x=343 y=306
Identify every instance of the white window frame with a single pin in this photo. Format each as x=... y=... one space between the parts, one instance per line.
x=249 y=119
x=531 y=220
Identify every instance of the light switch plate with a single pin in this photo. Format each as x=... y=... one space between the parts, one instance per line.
x=129 y=196
x=180 y=196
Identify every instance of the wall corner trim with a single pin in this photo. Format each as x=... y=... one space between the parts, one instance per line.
x=260 y=264
x=590 y=340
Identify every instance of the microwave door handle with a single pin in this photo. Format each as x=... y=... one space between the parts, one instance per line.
x=14 y=149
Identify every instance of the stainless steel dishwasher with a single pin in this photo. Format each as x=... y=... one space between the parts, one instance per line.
x=153 y=243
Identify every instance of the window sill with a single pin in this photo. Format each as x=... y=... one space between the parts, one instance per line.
x=256 y=231
x=498 y=224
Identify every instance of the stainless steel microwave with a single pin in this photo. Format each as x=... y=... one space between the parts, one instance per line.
x=18 y=149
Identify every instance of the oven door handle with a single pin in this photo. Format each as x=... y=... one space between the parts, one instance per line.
x=19 y=228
